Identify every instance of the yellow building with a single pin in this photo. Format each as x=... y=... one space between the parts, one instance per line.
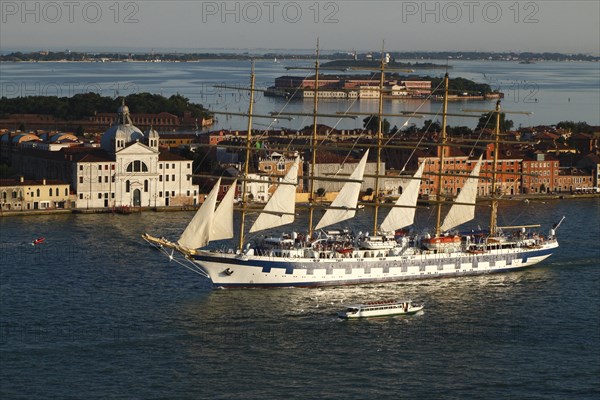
x=21 y=194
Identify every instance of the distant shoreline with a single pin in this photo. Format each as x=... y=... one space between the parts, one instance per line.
x=174 y=56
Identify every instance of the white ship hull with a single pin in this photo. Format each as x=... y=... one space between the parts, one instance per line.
x=236 y=271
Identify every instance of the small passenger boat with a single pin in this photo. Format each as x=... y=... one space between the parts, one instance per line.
x=379 y=309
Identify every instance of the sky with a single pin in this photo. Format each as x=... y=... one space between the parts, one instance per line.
x=346 y=25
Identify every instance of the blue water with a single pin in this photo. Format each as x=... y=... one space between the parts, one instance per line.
x=552 y=91
x=95 y=313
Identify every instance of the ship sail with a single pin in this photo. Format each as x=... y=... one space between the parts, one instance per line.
x=461 y=213
x=281 y=206
x=222 y=226
x=399 y=217
x=344 y=205
x=197 y=233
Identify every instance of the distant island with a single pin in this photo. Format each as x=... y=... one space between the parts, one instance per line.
x=366 y=86
x=370 y=63
x=338 y=57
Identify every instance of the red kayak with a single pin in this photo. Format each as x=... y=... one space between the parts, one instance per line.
x=39 y=240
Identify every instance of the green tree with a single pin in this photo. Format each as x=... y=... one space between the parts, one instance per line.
x=575 y=127
x=488 y=121
x=371 y=123
x=431 y=126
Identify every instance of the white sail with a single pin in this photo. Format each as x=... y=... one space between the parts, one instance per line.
x=197 y=233
x=282 y=205
x=346 y=201
x=399 y=217
x=461 y=213
x=222 y=226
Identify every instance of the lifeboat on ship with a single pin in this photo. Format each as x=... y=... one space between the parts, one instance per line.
x=441 y=242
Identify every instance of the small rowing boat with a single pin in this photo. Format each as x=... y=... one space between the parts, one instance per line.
x=37 y=241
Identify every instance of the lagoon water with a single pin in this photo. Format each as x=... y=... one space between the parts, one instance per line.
x=95 y=313
x=553 y=91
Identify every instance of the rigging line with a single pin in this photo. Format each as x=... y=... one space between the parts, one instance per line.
x=406 y=123
x=266 y=131
x=481 y=133
x=350 y=106
x=419 y=142
x=416 y=111
x=362 y=132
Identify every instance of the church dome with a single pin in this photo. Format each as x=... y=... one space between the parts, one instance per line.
x=123 y=129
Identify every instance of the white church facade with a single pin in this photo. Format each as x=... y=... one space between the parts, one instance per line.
x=132 y=171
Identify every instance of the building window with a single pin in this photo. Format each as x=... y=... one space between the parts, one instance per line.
x=106 y=179
x=81 y=179
x=146 y=185
x=80 y=196
x=81 y=167
x=106 y=167
x=173 y=193
x=137 y=166
x=49 y=193
x=159 y=166
x=99 y=167
x=127 y=186
x=38 y=192
x=167 y=166
x=173 y=166
x=99 y=195
x=173 y=178
x=167 y=178
x=14 y=194
x=99 y=179
x=160 y=178
x=159 y=194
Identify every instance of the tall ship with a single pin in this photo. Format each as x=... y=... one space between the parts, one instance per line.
x=319 y=255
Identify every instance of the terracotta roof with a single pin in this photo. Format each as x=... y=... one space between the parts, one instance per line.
x=29 y=182
x=168 y=156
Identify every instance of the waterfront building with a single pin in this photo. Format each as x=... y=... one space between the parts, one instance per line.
x=540 y=174
x=275 y=166
x=21 y=194
x=133 y=172
x=126 y=169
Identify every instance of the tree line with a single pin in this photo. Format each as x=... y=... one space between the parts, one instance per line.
x=86 y=105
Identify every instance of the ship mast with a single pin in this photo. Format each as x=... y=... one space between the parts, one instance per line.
x=441 y=159
x=247 y=163
x=314 y=146
x=379 y=139
x=494 y=206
